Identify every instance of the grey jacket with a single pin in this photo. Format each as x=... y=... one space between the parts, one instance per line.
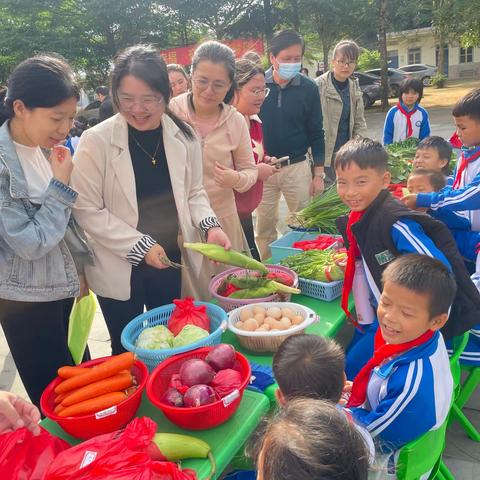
x=331 y=102
x=36 y=264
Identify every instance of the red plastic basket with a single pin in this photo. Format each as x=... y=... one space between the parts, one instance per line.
x=88 y=426
x=195 y=418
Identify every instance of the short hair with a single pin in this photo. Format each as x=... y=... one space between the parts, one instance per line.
x=253 y=57
x=285 y=39
x=348 y=48
x=411 y=84
x=310 y=366
x=441 y=145
x=468 y=105
x=102 y=90
x=437 y=179
x=312 y=439
x=245 y=70
x=364 y=152
x=425 y=275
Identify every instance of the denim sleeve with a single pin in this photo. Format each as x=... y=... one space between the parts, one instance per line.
x=32 y=237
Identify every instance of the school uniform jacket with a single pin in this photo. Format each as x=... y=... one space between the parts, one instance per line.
x=395 y=127
x=407 y=396
x=389 y=229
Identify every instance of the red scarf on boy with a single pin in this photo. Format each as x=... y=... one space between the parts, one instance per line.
x=408 y=114
x=352 y=254
x=382 y=352
x=468 y=156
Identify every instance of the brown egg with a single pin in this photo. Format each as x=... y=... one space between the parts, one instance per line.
x=297 y=320
x=250 y=325
x=239 y=325
x=270 y=321
x=259 y=317
x=274 y=312
x=258 y=309
x=263 y=328
x=285 y=322
x=288 y=312
x=245 y=314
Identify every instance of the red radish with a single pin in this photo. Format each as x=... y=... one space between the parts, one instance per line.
x=199 y=395
x=226 y=381
x=221 y=356
x=173 y=398
x=281 y=278
x=195 y=372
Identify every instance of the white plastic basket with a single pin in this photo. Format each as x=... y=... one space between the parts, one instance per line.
x=270 y=341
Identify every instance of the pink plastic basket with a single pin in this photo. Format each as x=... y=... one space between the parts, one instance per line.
x=231 y=303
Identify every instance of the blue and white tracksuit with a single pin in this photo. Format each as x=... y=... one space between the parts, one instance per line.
x=408 y=237
x=407 y=396
x=395 y=127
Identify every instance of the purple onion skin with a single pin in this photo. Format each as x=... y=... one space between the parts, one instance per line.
x=173 y=398
x=199 y=395
x=196 y=372
x=221 y=357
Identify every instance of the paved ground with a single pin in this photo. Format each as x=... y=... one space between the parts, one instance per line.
x=462 y=454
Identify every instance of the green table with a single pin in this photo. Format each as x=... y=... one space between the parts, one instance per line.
x=225 y=440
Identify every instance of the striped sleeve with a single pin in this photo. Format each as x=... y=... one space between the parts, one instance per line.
x=207 y=223
x=140 y=249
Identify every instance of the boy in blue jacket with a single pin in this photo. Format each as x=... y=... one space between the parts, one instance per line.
x=405 y=389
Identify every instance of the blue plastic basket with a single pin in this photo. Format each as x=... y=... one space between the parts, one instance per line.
x=282 y=247
x=321 y=290
x=160 y=316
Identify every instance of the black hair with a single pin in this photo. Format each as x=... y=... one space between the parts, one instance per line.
x=175 y=67
x=43 y=81
x=93 y=121
x=217 y=52
x=425 y=275
x=245 y=70
x=443 y=148
x=411 y=84
x=305 y=71
x=312 y=439
x=468 y=105
x=348 y=48
x=284 y=39
x=364 y=152
x=310 y=366
x=145 y=63
x=437 y=179
x=102 y=90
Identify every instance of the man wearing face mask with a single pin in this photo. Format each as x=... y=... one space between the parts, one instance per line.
x=292 y=124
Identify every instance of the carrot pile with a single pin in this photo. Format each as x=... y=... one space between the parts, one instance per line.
x=90 y=390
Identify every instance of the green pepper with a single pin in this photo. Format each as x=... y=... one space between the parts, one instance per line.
x=259 y=292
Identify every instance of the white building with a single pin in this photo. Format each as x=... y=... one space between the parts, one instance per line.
x=421 y=46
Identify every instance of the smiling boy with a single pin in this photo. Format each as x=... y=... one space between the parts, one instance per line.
x=379 y=229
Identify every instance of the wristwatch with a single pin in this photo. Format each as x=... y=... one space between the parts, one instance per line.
x=322 y=175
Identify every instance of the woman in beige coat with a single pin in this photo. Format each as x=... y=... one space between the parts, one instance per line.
x=342 y=103
x=139 y=179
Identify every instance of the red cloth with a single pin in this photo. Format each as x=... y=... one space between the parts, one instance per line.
x=464 y=162
x=455 y=141
x=382 y=352
x=352 y=253
x=409 y=118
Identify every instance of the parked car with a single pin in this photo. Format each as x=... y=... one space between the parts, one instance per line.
x=421 y=72
x=370 y=86
x=92 y=110
x=395 y=79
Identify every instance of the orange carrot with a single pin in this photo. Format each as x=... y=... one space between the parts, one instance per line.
x=95 y=389
x=59 y=398
x=93 y=405
x=69 y=372
x=110 y=367
x=59 y=408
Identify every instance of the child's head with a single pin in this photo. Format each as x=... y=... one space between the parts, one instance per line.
x=311 y=439
x=433 y=153
x=309 y=366
x=466 y=115
x=410 y=92
x=361 y=166
x=422 y=180
x=417 y=294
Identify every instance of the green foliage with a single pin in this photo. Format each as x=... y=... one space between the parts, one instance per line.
x=368 y=60
x=438 y=80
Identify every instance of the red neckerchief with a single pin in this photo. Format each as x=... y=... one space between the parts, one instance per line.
x=408 y=114
x=352 y=253
x=464 y=162
x=382 y=352
x=455 y=142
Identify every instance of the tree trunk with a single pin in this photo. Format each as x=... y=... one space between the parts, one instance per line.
x=295 y=15
x=441 y=54
x=382 y=43
x=267 y=12
x=326 y=50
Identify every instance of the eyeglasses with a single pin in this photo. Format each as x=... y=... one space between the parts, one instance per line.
x=217 y=86
x=344 y=63
x=147 y=103
x=258 y=92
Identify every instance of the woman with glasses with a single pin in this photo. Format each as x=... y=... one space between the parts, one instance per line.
x=249 y=95
x=228 y=163
x=139 y=179
x=342 y=103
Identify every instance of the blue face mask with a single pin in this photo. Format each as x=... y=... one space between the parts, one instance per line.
x=288 y=70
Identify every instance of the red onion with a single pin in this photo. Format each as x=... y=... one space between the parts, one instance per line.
x=195 y=372
x=199 y=395
x=226 y=381
x=173 y=398
x=221 y=357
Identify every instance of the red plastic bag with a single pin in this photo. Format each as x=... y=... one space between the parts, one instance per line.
x=127 y=454
x=186 y=312
x=24 y=456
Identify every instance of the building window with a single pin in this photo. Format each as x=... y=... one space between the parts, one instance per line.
x=466 y=55
x=414 y=55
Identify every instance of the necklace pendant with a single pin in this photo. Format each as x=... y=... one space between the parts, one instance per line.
x=154 y=161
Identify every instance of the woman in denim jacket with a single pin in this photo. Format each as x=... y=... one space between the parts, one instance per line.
x=41 y=249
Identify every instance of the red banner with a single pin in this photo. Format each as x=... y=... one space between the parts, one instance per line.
x=183 y=55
